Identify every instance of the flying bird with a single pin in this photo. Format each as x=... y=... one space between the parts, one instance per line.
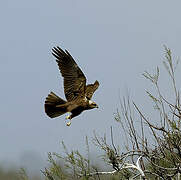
x=77 y=93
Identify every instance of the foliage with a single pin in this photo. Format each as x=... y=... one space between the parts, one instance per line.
x=13 y=174
x=8 y=174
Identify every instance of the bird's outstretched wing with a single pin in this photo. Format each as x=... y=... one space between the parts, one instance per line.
x=74 y=79
x=90 y=89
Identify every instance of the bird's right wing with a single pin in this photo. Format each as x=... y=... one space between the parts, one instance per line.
x=74 y=79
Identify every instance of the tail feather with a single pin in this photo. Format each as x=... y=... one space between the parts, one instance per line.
x=51 y=103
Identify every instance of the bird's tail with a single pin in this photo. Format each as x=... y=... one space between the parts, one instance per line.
x=51 y=103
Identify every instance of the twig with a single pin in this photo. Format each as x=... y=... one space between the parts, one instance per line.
x=100 y=173
x=125 y=166
x=113 y=142
x=47 y=174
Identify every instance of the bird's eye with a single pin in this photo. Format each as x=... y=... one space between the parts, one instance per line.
x=88 y=98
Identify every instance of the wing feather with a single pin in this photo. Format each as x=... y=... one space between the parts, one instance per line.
x=74 y=79
x=90 y=89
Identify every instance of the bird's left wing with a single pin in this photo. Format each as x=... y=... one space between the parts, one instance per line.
x=74 y=79
x=90 y=89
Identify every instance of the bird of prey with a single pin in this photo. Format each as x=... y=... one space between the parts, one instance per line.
x=77 y=93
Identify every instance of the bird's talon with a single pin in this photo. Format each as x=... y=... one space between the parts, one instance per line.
x=69 y=123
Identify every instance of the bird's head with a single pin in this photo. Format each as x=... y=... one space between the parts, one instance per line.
x=92 y=104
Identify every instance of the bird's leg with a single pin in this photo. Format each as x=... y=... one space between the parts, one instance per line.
x=69 y=117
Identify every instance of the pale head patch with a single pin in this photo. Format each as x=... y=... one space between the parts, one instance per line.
x=91 y=102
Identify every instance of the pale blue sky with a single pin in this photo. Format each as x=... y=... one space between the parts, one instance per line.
x=113 y=42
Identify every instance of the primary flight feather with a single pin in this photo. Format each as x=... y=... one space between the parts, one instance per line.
x=77 y=93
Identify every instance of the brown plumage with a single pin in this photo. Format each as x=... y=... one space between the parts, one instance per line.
x=78 y=95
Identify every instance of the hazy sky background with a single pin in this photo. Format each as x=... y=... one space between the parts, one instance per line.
x=113 y=41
